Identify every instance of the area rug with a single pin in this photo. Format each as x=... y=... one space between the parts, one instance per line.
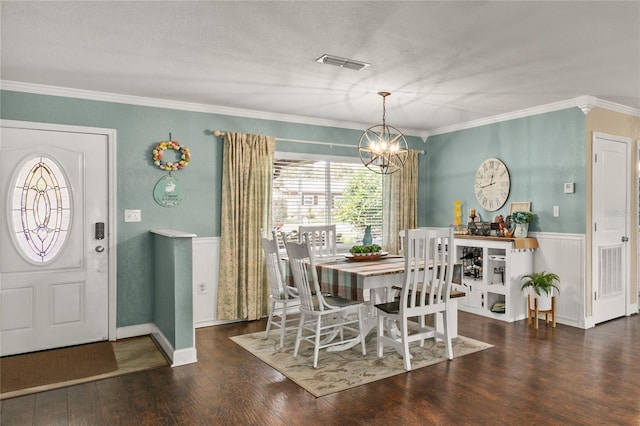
x=56 y=368
x=338 y=371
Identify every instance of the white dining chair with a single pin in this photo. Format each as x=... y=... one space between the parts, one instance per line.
x=284 y=298
x=324 y=319
x=322 y=239
x=425 y=291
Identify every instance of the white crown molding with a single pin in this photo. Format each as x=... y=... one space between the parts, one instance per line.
x=67 y=92
x=585 y=103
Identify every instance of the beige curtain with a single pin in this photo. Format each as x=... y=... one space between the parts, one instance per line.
x=246 y=209
x=400 y=203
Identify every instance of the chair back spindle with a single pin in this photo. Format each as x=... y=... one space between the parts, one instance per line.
x=322 y=239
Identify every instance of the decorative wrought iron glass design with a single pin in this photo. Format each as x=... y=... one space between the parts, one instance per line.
x=383 y=148
x=41 y=209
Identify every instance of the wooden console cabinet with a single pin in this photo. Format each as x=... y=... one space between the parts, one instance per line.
x=492 y=268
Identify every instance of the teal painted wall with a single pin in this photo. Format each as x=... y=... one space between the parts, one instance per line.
x=542 y=152
x=173 y=307
x=139 y=129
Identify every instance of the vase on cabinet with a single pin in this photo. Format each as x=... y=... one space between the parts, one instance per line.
x=521 y=231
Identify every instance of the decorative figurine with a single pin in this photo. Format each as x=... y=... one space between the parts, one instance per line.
x=501 y=225
x=457 y=213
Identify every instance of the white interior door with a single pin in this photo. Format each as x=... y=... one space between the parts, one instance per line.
x=610 y=255
x=54 y=267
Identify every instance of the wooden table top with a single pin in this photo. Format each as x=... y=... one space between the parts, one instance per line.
x=382 y=266
x=518 y=243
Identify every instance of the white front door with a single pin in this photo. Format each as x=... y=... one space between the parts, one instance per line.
x=611 y=184
x=54 y=264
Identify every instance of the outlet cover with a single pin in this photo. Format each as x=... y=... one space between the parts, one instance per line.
x=133 y=215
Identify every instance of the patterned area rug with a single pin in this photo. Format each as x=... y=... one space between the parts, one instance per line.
x=338 y=371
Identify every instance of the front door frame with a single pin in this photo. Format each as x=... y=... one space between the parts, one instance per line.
x=111 y=135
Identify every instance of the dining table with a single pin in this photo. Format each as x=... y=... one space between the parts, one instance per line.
x=376 y=281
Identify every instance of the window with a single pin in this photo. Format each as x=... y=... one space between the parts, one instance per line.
x=317 y=190
x=41 y=209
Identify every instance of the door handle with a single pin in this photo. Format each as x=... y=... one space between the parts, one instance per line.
x=99 y=249
x=625 y=239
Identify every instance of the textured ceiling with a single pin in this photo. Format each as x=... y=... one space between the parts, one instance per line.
x=445 y=63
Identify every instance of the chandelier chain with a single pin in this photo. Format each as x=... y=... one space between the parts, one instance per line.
x=384 y=109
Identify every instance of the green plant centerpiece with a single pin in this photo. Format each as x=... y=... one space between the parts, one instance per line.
x=365 y=250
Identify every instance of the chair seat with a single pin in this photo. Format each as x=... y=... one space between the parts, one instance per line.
x=390 y=307
x=340 y=302
x=335 y=302
x=394 y=307
x=290 y=294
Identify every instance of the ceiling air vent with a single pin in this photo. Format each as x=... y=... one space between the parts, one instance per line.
x=342 y=62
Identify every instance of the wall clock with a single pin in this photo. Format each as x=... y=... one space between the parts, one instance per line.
x=492 y=184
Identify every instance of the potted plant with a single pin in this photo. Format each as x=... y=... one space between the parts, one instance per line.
x=541 y=285
x=521 y=219
x=365 y=250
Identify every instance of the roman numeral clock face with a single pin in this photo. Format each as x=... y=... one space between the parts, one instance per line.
x=492 y=184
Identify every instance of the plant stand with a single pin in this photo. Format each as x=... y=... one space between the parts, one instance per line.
x=532 y=311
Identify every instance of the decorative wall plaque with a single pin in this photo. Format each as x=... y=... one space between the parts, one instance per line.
x=168 y=191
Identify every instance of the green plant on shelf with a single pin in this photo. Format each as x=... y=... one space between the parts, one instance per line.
x=521 y=217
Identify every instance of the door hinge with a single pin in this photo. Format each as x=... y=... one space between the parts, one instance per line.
x=595 y=158
x=595 y=227
x=595 y=295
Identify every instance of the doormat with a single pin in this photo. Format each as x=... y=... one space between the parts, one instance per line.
x=51 y=369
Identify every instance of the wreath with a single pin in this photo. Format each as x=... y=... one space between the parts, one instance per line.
x=159 y=150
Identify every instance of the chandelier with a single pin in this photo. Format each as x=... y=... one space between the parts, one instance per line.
x=382 y=148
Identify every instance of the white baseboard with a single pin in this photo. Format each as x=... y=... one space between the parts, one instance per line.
x=216 y=322
x=136 y=330
x=184 y=356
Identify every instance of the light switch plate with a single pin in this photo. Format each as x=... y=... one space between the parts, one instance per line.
x=569 y=188
x=133 y=215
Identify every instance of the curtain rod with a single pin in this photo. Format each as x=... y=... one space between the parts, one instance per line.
x=219 y=133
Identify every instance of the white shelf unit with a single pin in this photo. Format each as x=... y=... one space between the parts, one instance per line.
x=498 y=279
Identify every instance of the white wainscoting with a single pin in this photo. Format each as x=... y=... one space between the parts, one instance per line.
x=206 y=260
x=564 y=254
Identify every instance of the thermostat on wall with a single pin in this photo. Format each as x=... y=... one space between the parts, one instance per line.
x=569 y=188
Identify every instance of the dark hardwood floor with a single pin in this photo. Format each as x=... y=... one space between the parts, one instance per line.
x=558 y=376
